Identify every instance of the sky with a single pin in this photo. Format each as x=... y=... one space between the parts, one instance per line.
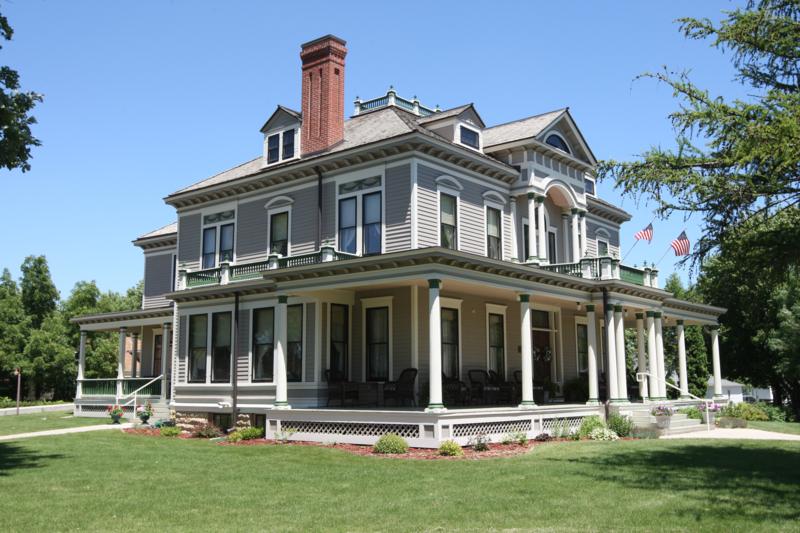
x=143 y=98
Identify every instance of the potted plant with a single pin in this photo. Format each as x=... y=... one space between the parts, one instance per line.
x=115 y=412
x=144 y=412
x=663 y=414
x=708 y=411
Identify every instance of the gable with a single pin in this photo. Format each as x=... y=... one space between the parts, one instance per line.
x=282 y=118
x=565 y=127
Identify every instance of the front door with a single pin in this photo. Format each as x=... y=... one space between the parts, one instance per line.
x=157 y=344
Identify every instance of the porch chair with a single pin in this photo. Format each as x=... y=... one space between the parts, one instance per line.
x=481 y=388
x=506 y=389
x=538 y=388
x=454 y=391
x=339 y=388
x=402 y=389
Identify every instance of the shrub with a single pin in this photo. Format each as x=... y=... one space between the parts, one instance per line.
x=480 y=443
x=601 y=433
x=391 y=443
x=561 y=429
x=691 y=412
x=170 y=431
x=234 y=436
x=450 y=448
x=620 y=424
x=588 y=424
x=542 y=437
x=775 y=414
x=744 y=411
x=207 y=431
x=520 y=437
x=251 y=433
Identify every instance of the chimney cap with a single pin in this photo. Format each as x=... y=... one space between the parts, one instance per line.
x=330 y=36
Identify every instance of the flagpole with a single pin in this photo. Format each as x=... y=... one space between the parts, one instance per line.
x=630 y=250
x=668 y=249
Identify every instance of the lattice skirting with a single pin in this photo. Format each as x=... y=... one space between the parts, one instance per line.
x=408 y=431
x=491 y=428
x=561 y=426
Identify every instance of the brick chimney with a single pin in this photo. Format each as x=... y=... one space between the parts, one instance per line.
x=323 y=93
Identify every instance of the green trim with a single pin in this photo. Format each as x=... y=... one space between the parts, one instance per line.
x=714 y=328
x=524 y=298
x=679 y=322
x=531 y=196
x=581 y=213
x=657 y=314
x=609 y=308
x=527 y=402
x=617 y=308
x=283 y=299
x=434 y=283
x=639 y=316
x=651 y=314
x=435 y=406
x=590 y=308
x=575 y=211
x=281 y=403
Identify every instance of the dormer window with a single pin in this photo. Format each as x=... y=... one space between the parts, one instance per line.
x=280 y=146
x=470 y=137
x=558 y=141
x=588 y=185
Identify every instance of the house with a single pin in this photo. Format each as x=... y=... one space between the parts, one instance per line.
x=408 y=269
x=731 y=391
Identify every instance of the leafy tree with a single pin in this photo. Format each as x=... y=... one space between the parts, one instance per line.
x=696 y=360
x=16 y=139
x=39 y=294
x=734 y=161
x=14 y=324
x=50 y=360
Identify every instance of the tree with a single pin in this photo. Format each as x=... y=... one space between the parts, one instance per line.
x=16 y=138
x=39 y=294
x=734 y=161
x=49 y=360
x=14 y=325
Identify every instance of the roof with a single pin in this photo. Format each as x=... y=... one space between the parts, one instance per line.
x=169 y=229
x=363 y=129
x=447 y=113
x=296 y=115
x=725 y=382
x=520 y=129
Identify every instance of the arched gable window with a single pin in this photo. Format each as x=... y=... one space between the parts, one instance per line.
x=558 y=141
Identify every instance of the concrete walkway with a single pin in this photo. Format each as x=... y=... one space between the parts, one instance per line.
x=64 y=431
x=735 y=434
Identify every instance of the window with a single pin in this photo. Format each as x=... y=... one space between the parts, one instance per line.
x=288 y=144
x=294 y=342
x=347 y=225
x=221 y=347
x=198 y=339
x=273 y=153
x=226 y=243
x=525 y=242
x=470 y=137
x=372 y=223
x=209 y=247
x=447 y=218
x=602 y=248
x=377 y=343
x=340 y=335
x=497 y=348
x=582 y=342
x=279 y=233
x=589 y=186
x=450 y=354
x=540 y=319
x=157 y=347
x=493 y=225
x=558 y=142
x=551 y=246
x=218 y=236
x=263 y=343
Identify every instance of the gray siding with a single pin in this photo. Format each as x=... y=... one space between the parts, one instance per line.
x=328 y=213
x=189 y=241
x=398 y=208
x=309 y=344
x=472 y=219
x=427 y=207
x=157 y=280
x=251 y=231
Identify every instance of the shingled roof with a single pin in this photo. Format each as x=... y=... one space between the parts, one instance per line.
x=520 y=129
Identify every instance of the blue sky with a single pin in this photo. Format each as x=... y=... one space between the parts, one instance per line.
x=142 y=98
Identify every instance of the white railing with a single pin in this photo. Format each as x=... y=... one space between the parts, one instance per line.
x=642 y=376
x=135 y=395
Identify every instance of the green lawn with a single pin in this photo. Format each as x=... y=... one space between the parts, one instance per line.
x=115 y=481
x=11 y=424
x=780 y=427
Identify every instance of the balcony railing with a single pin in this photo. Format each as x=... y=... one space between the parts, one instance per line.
x=391 y=99
x=606 y=268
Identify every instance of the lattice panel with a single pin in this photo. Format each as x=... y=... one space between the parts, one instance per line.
x=491 y=428
x=567 y=425
x=408 y=431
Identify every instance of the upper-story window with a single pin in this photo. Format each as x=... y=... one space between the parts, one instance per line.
x=279 y=233
x=360 y=229
x=448 y=216
x=470 y=137
x=218 y=230
x=588 y=185
x=493 y=233
x=558 y=142
x=280 y=146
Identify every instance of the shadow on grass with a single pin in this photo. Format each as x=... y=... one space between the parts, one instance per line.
x=13 y=457
x=717 y=480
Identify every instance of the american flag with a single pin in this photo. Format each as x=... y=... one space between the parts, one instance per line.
x=681 y=244
x=646 y=233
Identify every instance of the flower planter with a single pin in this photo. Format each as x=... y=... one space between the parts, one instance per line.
x=708 y=418
x=144 y=418
x=662 y=421
x=115 y=419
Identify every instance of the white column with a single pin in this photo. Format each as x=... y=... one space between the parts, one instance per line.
x=565 y=233
x=542 y=231
x=652 y=356
x=612 y=385
x=641 y=353
x=532 y=251
x=526 y=351
x=121 y=361
x=583 y=235
x=165 y=336
x=591 y=332
x=514 y=231
x=682 y=373
x=281 y=390
x=715 y=362
x=134 y=354
x=662 y=387
x=434 y=348
x=622 y=364
x=576 y=251
x=81 y=364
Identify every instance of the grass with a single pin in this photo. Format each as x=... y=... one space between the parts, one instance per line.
x=780 y=427
x=11 y=424
x=115 y=481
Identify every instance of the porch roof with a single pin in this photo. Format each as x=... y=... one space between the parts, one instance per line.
x=112 y=321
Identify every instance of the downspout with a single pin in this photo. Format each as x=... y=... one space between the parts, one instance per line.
x=235 y=395
x=605 y=343
x=319 y=207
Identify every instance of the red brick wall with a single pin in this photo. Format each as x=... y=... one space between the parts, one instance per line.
x=323 y=93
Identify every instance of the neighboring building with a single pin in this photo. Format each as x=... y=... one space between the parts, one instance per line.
x=731 y=391
x=403 y=237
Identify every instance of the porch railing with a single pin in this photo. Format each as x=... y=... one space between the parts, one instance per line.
x=605 y=268
x=570 y=269
x=199 y=278
x=631 y=275
x=99 y=387
x=108 y=386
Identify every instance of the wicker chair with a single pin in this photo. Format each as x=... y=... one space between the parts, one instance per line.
x=402 y=389
x=454 y=391
x=339 y=388
x=507 y=390
x=481 y=388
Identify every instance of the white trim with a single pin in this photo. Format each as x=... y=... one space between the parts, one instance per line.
x=349 y=307
x=495 y=309
x=414 y=206
x=466 y=125
x=208 y=312
x=280 y=133
x=445 y=182
x=217 y=233
x=359 y=195
x=486 y=205
x=278 y=211
x=372 y=303
x=555 y=338
x=492 y=197
x=279 y=201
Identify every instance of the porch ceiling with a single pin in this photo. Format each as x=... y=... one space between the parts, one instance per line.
x=127 y=319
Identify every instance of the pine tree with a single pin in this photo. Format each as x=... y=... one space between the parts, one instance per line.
x=39 y=294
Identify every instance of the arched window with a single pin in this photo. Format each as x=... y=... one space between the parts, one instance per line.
x=558 y=142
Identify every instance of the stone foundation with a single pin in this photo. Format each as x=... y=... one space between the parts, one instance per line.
x=189 y=421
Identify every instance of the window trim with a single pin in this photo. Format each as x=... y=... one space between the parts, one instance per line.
x=463 y=126
x=251 y=344
x=218 y=236
x=210 y=352
x=582 y=321
x=555 y=133
x=277 y=211
x=281 y=157
x=356 y=176
x=369 y=303
x=496 y=309
x=349 y=354
x=601 y=235
x=189 y=348
x=456 y=195
x=454 y=303
x=208 y=313
x=594 y=183
x=500 y=208
x=303 y=342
